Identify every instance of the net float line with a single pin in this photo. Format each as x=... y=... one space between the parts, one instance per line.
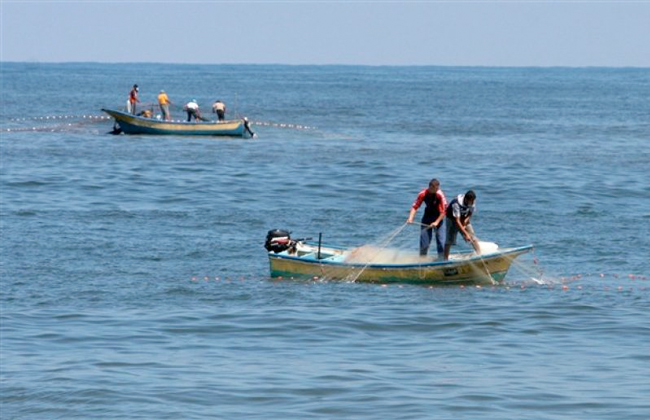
x=105 y=117
x=61 y=117
x=80 y=120
x=51 y=129
x=282 y=125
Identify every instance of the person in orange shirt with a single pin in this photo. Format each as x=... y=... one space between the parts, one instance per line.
x=163 y=101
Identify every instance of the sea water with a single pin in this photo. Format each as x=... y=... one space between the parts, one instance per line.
x=134 y=282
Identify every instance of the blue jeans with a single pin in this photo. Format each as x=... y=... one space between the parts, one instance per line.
x=426 y=234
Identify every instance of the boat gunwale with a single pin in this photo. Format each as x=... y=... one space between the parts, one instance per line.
x=210 y=123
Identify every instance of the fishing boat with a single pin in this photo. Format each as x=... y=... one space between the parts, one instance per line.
x=302 y=258
x=133 y=124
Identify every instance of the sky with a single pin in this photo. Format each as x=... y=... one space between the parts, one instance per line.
x=372 y=32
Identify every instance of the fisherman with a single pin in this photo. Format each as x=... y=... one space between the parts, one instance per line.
x=433 y=219
x=192 y=109
x=163 y=101
x=133 y=99
x=459 y=212
x=147 y=113
x=116 y=129
x=247 y=126
x=219 y=108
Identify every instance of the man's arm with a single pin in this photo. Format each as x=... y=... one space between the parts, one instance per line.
x=416 y=205
x=411 y=215
x=461 y=226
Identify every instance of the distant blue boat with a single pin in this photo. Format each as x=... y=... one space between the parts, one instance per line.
x=132 y=124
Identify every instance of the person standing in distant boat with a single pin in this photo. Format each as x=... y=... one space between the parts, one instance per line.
x=163 y=101
x=192 y=109
x=459 y=212
x=133 y=99
x=219 y=108
x=433 y=220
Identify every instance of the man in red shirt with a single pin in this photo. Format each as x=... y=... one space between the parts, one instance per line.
x=133 y=98
x=433 y=219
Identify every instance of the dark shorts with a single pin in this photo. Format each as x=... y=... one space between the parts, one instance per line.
x=452 y=231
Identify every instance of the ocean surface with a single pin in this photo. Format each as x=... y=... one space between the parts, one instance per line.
x=135 y=285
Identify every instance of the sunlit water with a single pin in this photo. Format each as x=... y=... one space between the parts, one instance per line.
x=135 y=283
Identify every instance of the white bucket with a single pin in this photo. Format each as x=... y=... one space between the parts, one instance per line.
x=488 y=247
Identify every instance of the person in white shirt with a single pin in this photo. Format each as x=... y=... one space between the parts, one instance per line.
x=459 y=212
x=192 y=109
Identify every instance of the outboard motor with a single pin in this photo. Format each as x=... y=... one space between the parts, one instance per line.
x=277 y=240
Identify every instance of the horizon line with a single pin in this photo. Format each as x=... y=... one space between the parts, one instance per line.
x=546 y=66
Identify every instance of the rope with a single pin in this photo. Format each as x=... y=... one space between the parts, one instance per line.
x=487 y=271
x=536 y=273
x=381 y=245
x=421 y=224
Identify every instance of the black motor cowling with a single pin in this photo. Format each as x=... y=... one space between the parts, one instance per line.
x=278 y=240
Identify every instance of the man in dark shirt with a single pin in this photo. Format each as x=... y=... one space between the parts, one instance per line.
x=459 y=212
